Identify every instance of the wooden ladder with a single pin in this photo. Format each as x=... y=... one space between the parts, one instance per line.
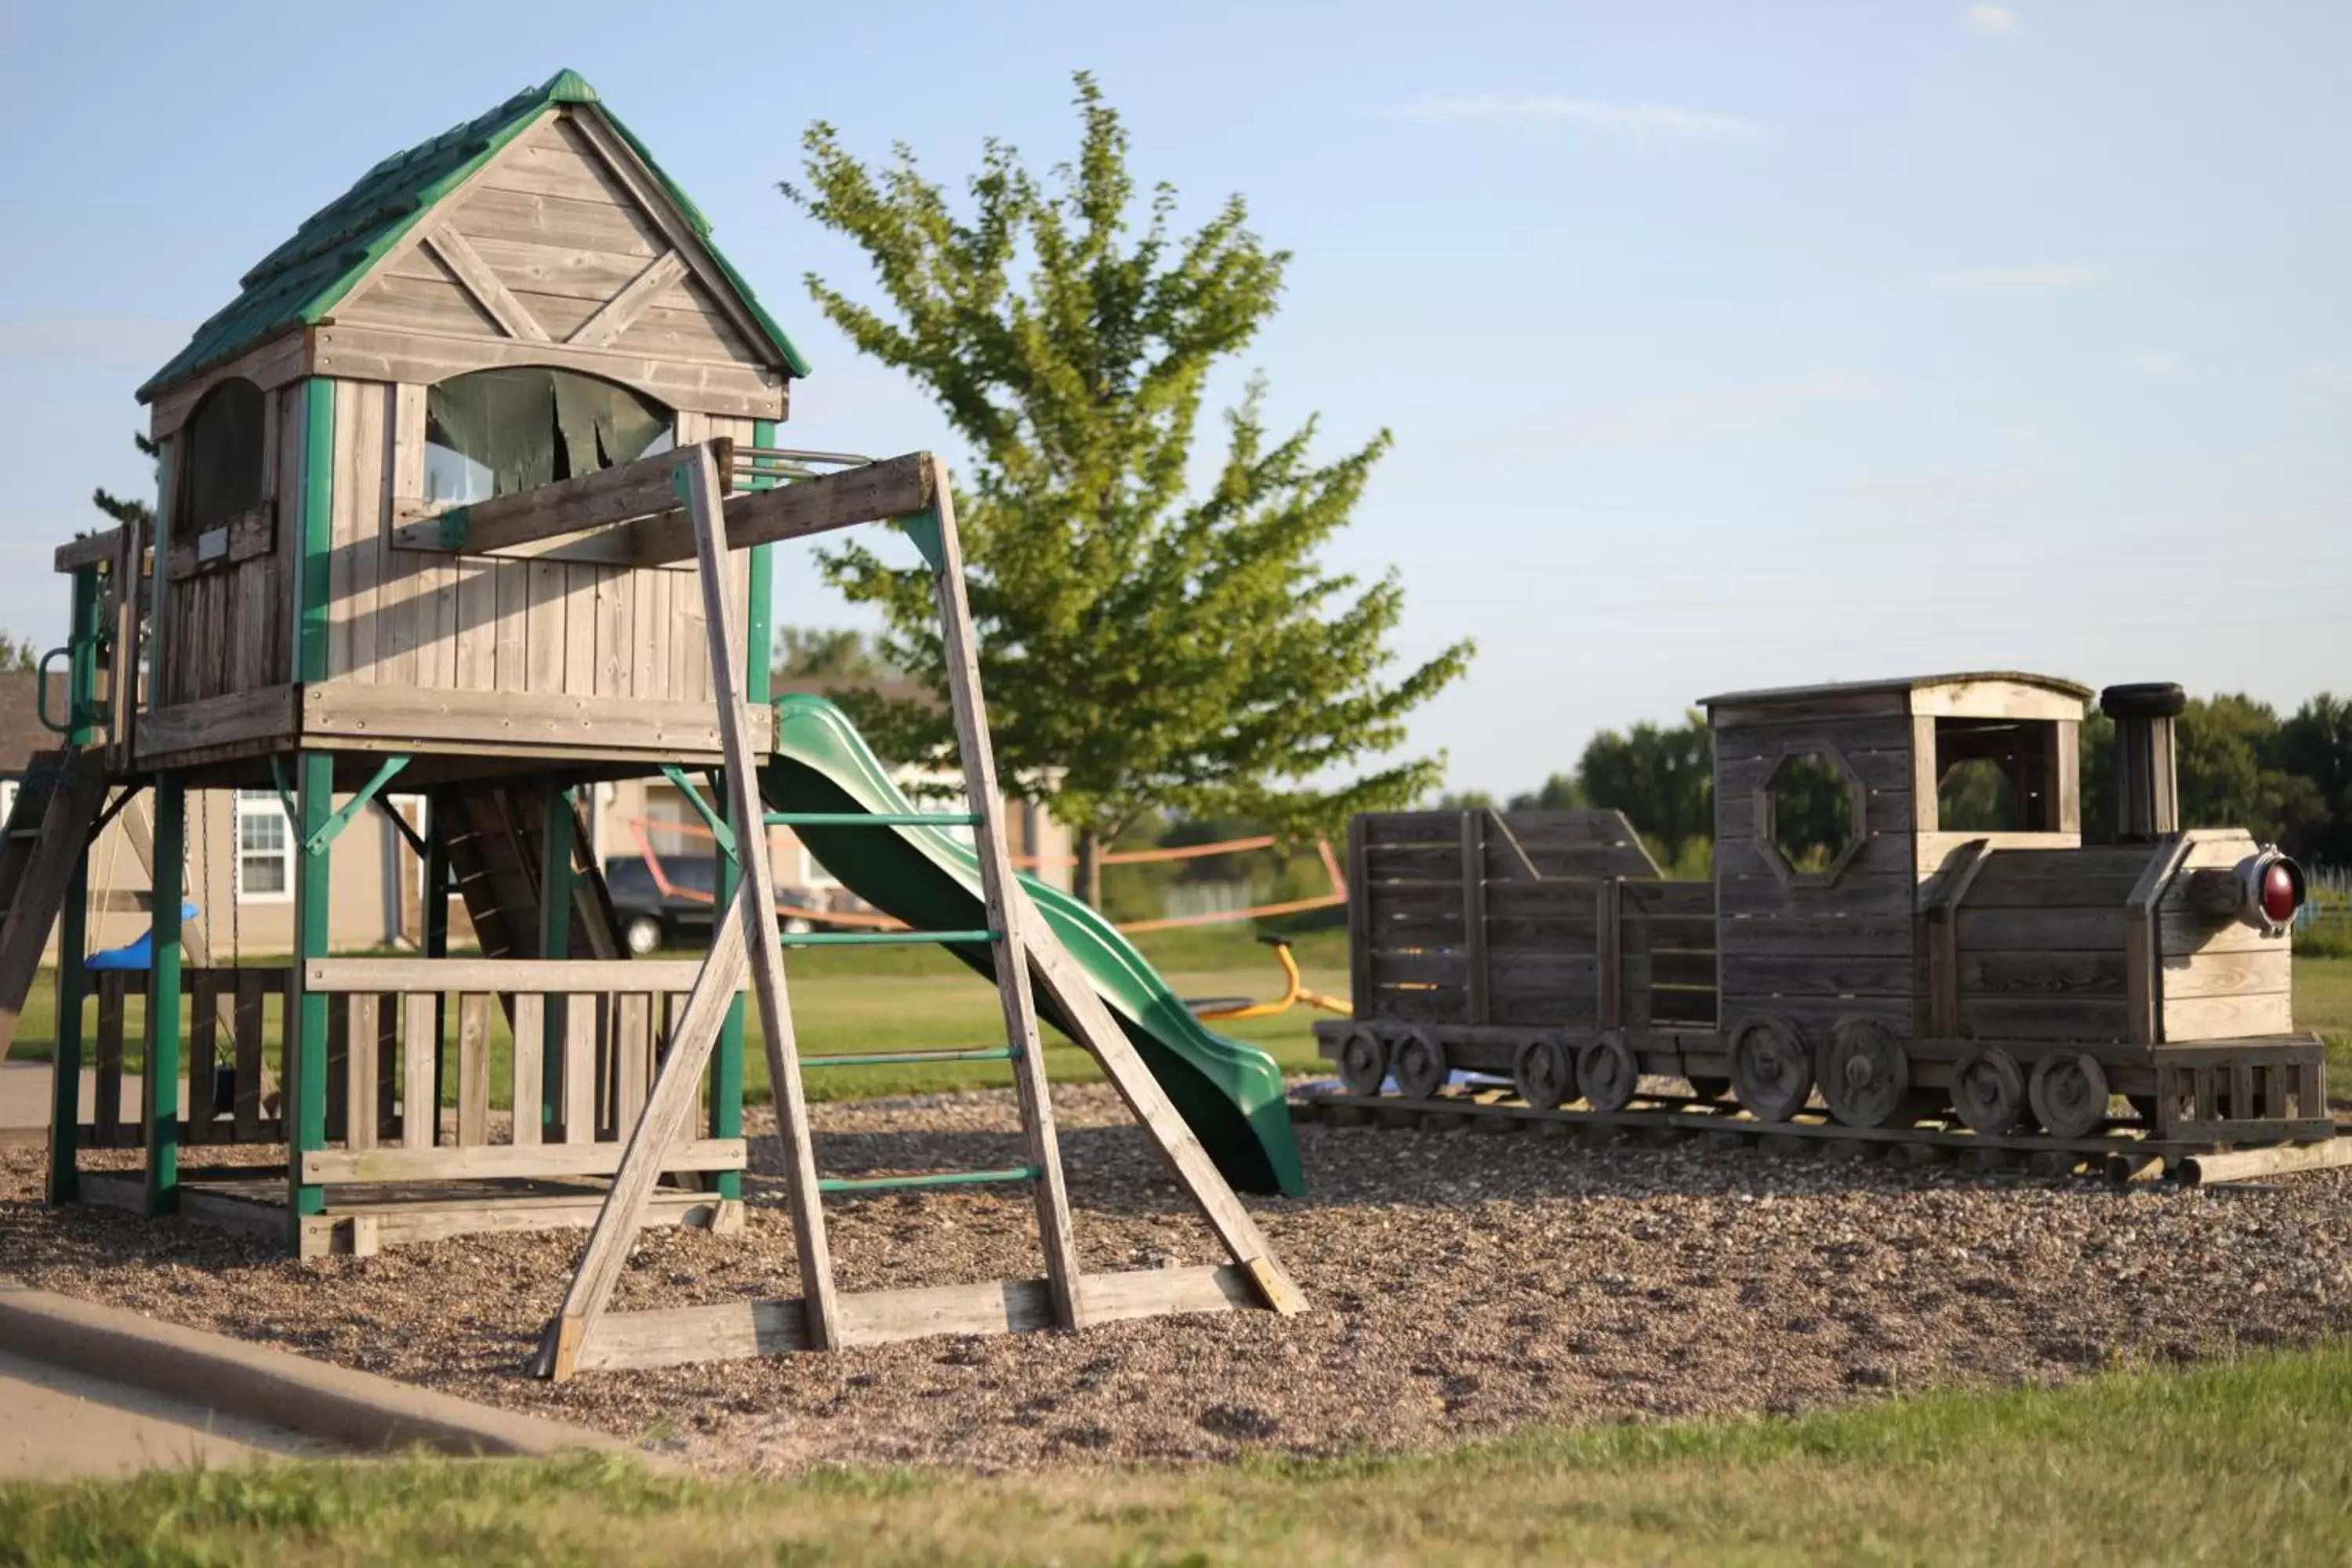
x=583 y=1334
x=47 y=832
x=494 y=835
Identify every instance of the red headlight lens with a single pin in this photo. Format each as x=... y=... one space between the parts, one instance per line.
x=2281 y=892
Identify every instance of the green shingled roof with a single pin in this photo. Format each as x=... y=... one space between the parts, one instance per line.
x=302 y=280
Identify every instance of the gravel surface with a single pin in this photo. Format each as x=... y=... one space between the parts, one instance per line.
x=1462 y=1284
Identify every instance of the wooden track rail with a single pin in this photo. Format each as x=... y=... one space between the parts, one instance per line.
x=2124 y=1153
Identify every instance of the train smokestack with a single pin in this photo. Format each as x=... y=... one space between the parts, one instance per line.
x=2148 y=781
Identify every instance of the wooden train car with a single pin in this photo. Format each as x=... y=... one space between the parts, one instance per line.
x=1902 y=921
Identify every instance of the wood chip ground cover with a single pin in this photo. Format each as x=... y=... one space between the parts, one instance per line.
x=1465 y=1285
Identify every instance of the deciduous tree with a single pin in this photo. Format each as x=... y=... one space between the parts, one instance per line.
x=1144 y=647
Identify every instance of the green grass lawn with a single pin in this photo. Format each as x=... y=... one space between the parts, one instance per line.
x=2323 y=1000
x=898 y=998
x=2224 y=1464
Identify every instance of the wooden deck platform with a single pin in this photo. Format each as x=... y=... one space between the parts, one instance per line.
x=362 y=1217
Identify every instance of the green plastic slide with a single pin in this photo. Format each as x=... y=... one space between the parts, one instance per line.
x=1229 y=1093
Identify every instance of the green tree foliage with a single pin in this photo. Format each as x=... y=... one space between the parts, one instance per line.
x=1661 y=777
x=814 y=653
x=2241 y=767
x=1465 y=800
x=1143 y=648
x=2316 y=745
x=123 y=510
x=1560 y=792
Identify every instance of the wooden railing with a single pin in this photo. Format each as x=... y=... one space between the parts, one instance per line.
x=413 y=1067
x=232 y=1018
x=586 y=1038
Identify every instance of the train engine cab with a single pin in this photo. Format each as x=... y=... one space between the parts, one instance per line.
x=1908 y=923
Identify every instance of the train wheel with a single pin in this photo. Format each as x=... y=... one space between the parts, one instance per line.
x=1545 y=1073
x=1364 y=1062
x=1770 y=1070
x=1989 y=1090
x=1419 y=1063
x=1865 y=1072
x=2069 y=1091
x=1609 y=1072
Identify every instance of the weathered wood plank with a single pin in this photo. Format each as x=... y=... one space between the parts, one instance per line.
x=576 y=724
x=2227 y=1017
x=480 y=281
x=495 y=1161
x=739 y=1330
x=473 y=1069
x=369 y=352
x=568 y=506
x=544 y=976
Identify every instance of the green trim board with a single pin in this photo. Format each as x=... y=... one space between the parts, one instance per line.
x=317 y=583
x=759 y=635
x=306 y=1052
x=300 y=282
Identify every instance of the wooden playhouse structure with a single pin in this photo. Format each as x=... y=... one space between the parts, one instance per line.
x=474 y=487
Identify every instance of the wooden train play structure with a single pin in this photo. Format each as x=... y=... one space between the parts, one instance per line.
x=475 y=485
x=1905 y=940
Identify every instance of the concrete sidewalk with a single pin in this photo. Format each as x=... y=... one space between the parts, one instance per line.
x=57 y=1424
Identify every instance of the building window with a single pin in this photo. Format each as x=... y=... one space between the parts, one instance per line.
x=494 y=432
x=264 y=848
x=221 y=475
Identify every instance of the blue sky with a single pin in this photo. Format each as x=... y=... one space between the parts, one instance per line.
x=1724 y=344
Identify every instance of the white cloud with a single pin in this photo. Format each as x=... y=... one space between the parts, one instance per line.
x=1619 y=122
x=103 y=340
x=1692 y=416
x=1989 y=21
x=2049 y=278
x=2158 y=367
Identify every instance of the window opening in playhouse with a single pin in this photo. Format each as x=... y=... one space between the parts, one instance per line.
x=495 y=432
x=265 y=847
x=1996 y=775
x=221 y=474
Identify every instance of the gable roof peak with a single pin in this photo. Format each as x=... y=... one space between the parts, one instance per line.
x=338 y=246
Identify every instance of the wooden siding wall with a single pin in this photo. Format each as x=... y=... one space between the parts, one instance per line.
x=230 y=628
x=2219 y=979
x=563 y=237
x=1478 y=918
x=2038 y=941
x=1813 y=955
x=410 y=618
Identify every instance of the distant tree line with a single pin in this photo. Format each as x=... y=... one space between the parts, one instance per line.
x=2287 y=780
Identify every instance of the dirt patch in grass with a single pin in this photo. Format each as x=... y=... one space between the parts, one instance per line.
x=1464 y=1284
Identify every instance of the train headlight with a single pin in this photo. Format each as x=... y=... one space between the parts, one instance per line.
x=2273 y=890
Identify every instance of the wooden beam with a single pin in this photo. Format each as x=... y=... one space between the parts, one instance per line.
x=483 y=284
x=412 y=718
x=677 y=1089
x=1016 y=999
x=617 y=314
x=893 y=487
x=488 y=1161
x=89 y=549
x=538 y=976
x=756 y=909
x=349 y=350
x=565 y=507
x=735 y=1330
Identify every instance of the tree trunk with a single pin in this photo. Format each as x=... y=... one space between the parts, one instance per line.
x=1089 y=878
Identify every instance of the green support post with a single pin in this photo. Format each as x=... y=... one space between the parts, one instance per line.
x=437 y=936
x=760 y=607
x=163 y=1071
x=306 y=1052
x=727 y=1058
x=87 y=625
x=304 y=1089
x=554 y=935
